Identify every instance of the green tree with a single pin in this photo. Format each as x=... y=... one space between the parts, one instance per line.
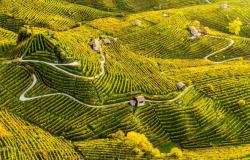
x=60 y=54
x=24 y=33
x=235 y=26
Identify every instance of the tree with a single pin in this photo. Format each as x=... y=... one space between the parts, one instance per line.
x=118 y=135
x=141 y=141
x=24 y=33
x=196 y=24
x=137 y=151
x=175 y=153
x=60 y=54
x=235 y=26
x=205 y=30
x=242 y=102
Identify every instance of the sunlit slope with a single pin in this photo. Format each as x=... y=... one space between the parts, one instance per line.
x=187 y=124
x=116 y=148
x=164 y=34
x=7 y=40
x=137 y=5
x=21 y=140
x=120 y=66
x=49 y=14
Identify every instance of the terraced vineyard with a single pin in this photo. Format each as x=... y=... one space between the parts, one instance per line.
x=124 y=79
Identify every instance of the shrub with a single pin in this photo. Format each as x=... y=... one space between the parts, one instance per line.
x=24 y=33
x=141 y=141
x=175 y=153
x=242 y=102
x=60 y=53
x=137 y=151
x=196 y=24
x=205 y=30
x=118 y=135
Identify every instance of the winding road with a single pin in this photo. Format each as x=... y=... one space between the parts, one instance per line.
x=231 y=43
x=71 y=64
x=24 y=98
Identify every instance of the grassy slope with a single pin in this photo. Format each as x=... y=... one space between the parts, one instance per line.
x=21 y=140
x=137 y=5
x=49 y=14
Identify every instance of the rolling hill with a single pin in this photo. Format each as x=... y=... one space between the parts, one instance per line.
x=62 y=99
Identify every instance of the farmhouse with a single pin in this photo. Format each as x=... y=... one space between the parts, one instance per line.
x=106 y=41
x=132 y=102
x=137 y=22
x=180 y=85
x=138 y=101
x=95 y=44
x=224 y=6
x=194 y=32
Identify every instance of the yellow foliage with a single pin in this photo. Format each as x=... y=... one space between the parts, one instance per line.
x=175 y=153
x=137 y=151
x=205 y=30
x=242 y=102
x=196 y=24
x=118 y=135
x=142 y=142
x=235 y=26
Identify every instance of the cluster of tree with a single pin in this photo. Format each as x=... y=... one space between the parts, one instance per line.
x=60 y=53
x=141 y=145
x=24 y=33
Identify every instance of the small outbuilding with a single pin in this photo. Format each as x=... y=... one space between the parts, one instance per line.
x=138 y=101
x=180 y=85
x=132 y=103
x=95 y=44
x=106 y=41
x=224 y=6
x=137 y=22
x=195 y=32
